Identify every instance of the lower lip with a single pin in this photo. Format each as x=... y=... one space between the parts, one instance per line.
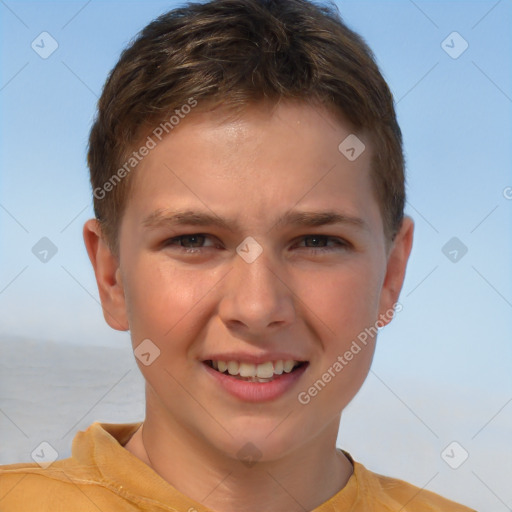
x=257 y=391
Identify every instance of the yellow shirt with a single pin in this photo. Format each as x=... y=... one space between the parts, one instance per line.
x=103 y=476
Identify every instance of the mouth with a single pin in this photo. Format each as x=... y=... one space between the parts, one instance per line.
x=250 y=372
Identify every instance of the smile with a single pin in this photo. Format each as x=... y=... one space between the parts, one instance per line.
x=263 y=372
x=255 y=382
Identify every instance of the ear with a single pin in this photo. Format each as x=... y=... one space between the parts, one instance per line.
x=395 y=270
x=108 y=276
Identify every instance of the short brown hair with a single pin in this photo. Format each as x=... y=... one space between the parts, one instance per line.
x=232 y=53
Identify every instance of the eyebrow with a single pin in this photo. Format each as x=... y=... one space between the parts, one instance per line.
x=162 y=218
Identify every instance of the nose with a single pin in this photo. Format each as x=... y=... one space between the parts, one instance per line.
x=256 y=299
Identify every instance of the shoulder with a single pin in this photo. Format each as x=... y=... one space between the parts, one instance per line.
x=80 y=482
x=28 y=486
x=393 y=493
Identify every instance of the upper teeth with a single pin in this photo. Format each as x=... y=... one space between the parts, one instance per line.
x=262 y=371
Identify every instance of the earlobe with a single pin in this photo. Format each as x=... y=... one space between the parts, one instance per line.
x=108 y=276
x=395 y=269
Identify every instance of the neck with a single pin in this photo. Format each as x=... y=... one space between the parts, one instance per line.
x=299 y=482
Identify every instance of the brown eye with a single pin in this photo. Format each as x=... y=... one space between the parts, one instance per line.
x=323 y=243
x=317 y=241
x=192 y=240
x=189 y=241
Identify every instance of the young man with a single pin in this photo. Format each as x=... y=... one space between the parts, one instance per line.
x=248 y=184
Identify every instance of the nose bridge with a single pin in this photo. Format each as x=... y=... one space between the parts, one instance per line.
x=254 y=293
x=258 y=276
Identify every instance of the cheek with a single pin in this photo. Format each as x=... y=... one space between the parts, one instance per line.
x=345 y=299
x=166 y=307
x=160 y=298
x=345 y=305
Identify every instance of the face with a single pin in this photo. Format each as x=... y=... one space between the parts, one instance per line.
x=257 y=245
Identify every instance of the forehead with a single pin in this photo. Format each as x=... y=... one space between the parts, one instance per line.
x=256 y=165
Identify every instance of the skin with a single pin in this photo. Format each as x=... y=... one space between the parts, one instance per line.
x=293 y=298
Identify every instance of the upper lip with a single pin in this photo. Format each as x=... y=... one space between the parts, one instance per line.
x=254 y=358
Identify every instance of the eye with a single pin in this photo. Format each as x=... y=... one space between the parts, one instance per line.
x=189 y=243
x=199 y=242
x=318 y=243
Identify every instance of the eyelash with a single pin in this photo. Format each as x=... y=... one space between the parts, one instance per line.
x=340 y=243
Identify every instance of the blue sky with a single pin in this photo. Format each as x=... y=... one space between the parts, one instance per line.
x=455 y=114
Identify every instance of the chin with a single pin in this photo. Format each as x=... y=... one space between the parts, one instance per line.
x=262 y=440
